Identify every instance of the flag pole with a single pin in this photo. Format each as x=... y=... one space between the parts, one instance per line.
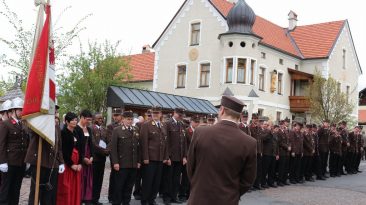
x=39 y=157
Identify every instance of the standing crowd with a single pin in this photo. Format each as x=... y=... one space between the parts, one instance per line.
x=148 y=156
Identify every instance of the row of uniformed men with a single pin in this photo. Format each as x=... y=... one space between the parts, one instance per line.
x=303 y=151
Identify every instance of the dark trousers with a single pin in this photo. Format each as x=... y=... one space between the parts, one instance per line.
x=11 y=184
x=350 y=162
x=307 y=166
x=283 y=169
x=184 y=185
x=123 y=184
x=324 y=162
x=258 y=179
x=111 y=185
x=172 y=180
x=268 y=169
x=137 y=190
x=343 y=161
x=358 y=161
x=295 y=168
x=47 y=193
x=334 y=163
x=317 y=166
x=98 y=174
x=151 y=178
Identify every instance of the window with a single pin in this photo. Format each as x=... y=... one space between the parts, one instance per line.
x=195 y=34
x=229 y=70
x=205 y=75
x=281 y=61
x=280 y=81
x=181 y=77
x=344 y=58
x=296 y=67
x=263 y=55
x=260 y=111
x=261 y=78
x=252 y=67
x=347 y=92
x=278 y=116
x=242 y=70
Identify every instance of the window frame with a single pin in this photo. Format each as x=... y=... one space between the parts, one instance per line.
x=178 y=74
x=262 y=68
x=190 y=39
x=278 y=83
x=245 y=70
x=200 y=64
x=226 y=70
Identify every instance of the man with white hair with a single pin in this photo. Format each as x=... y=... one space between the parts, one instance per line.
x=13 y=149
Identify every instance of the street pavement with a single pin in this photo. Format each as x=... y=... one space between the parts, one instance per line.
x=350 y=189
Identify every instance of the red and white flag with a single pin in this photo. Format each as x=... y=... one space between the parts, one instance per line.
x=40 y=95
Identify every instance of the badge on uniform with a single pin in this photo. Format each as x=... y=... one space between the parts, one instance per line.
x=153 y=123
x=123 y=128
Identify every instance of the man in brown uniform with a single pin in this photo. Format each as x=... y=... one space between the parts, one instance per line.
x=100 y=143
x=13 y=148
x=335 y=148
x=270 y=154
x=296 y=141
x=284 y=152
x=323 y=136
x=256 y=131
x=345 y=145
x=154 y=153
x=221 y=159
x=125 y=151
x=243 y=125
x=309 y=150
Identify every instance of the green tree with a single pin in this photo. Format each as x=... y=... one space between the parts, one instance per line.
x=88 y=76
x=20 y=43
x=327 y=101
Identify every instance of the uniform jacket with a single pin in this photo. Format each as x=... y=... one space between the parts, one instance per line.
x=13 y=142
x=176 y=138
x=70 y=140
x=270 y=143
x=100 y=133
x=125 y=147
x=255 y=132
x=353 y=142
x=323 y=136
x=335 y=143
x=221 y=166
x=309 y=144
x=154 y=141
x=296 y=141
x=51 y=155
x=344 y=136
x=283 y=142
x=245 y=128
x=189 y=135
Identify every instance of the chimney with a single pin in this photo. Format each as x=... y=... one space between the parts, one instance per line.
x=146 y=49
x=233 y=1
x=292 y=20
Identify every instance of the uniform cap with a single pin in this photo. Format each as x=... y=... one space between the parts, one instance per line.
x=179 y=110
x=156 y=109
x=128 y=113
x=117 y=111
x=6 y=105
x=287 y=120
x=245 y=113
x=211 y=117
x=309 y=126
x=204 y=119
x=232 y=103
x=195 y=118
x=254 y=116
x=16 y=103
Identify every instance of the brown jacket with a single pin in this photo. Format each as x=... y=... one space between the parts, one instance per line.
x=189 y=135
x=344 y=135
x=13 y=143
x=335 y=143
x=51 y=155
x=323 y=136
x=125 y=147
x=245 y=128
x=255 y=132
x=177 y=143
x=296 y=141
x=270 y=143
x=100 y=133
x=283 y=142
x=309 y=144
x=353 y=142
x=221 y=166
x=154 y=140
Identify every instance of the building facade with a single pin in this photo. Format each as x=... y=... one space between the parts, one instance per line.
x=216 y=47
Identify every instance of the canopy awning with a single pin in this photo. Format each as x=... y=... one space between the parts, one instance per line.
x=123 y=97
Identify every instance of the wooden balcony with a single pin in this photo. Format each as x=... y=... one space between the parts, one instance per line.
x=299 y=104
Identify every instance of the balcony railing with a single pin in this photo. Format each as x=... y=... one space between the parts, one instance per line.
x=299 y=103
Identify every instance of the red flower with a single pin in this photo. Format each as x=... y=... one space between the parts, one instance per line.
x=13 y=122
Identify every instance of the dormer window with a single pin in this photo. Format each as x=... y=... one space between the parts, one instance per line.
x=195 y=34
x=229 y=70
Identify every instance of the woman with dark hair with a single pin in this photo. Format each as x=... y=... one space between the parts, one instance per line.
x=85 y=134
x=69 y=187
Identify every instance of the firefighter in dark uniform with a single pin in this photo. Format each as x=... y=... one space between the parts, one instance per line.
x=353 y=151
x=211 y=119
x=359 y=149
x=125 y=152
x=243 y=125
x=256 y=131
x=345 y=146
x=335 y=148
x=309 y=151
x=270 y=154
x=154 y=154
x=13 y=149
x=296 y=141
x=117 y=118
x=177 y=146
x=284 y=152
x=323 y=137
x=4 y=111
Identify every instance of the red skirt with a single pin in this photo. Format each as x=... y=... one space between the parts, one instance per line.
x=69 y=188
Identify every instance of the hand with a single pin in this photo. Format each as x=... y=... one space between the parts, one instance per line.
x=313 y=151
x=4 y=167
x=146 y=161
x=293 y=154
x=74 y=167
x=91 y=160
x=61 y=169
x=348 y=144
x=289 y=149
x=168 y=162
x=116 y=167
x=277 y=158
x=79 y=168
x=184 y=161
x=27 y=166
x=138 y=165
x=361 y=149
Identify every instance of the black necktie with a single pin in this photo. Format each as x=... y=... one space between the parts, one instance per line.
x=158 y=125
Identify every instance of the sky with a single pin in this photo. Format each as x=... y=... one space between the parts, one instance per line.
x=139 y=22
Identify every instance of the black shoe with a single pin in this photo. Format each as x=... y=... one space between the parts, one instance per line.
x=359 y=171
x=137 y=197
x=176 y=201
x=153 y=203
x=265 y=186
x=280 y=184
x=257 y=187
x=183 y=198
x=97 y=203
x=325 y=176
x=332 y=175
x=343 y=173
x=320 y=178
x=293 y=182
x=301 y=181
x=166 y=203
x=273 y=185
x=286 y=183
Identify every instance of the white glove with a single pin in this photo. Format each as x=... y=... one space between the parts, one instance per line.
x=27 y=166
x=61 y=169
x=4 y=167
